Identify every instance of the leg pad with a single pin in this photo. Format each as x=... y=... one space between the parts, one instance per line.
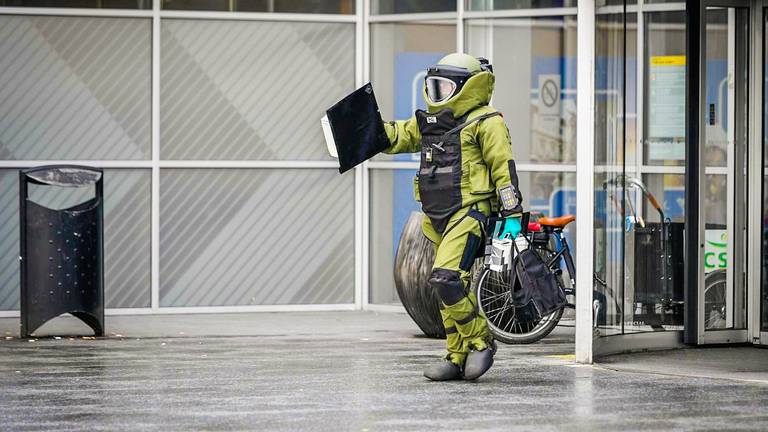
x=448 y=285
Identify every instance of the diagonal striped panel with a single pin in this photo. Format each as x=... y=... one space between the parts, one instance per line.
x=75 y=88
x=126 y=234
x=251 y=90
x=240 y=237
x=392 y=202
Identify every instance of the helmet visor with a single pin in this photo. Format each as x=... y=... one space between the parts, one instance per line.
x=439 y=88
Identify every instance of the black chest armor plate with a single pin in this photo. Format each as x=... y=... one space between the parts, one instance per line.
x=440 y=169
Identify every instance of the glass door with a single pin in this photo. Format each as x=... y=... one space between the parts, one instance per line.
x=763 y=295
x=722 y=174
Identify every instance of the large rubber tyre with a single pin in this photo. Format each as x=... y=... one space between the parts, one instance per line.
x=413 y=265
x=493 y=296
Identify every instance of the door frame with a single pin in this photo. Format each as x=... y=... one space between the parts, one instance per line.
x=757 y=174
x=695 y=332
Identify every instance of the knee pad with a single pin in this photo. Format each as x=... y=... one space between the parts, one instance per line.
x=448 y=285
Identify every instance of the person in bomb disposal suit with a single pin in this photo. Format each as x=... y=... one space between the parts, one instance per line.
x=466 y=173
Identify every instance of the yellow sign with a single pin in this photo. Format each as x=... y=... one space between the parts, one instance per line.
x=667 y=60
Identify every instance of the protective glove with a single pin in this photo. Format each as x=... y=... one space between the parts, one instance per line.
x=509 y=227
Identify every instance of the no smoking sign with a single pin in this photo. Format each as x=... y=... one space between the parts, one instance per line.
x=549 y=94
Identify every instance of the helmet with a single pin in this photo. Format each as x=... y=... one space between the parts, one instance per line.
x=448 y=76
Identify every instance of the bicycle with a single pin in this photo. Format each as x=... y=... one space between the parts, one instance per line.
x=660 y=308
x=546 y=236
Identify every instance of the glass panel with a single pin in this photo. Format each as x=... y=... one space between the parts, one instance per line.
x=384 y=7
x=126 y=234
x=669 y=190
x=724 y=160
x=102 y=4
x=548 y=193
x=482 y=5
x=250 y=237
x=614 y=129
x=534 y=60
x=237 y=90
x=392 y=203
x=285 y=6
x=764 y=289
x=665 y=61
x=400 y=56
x=75 y=88
x=600 y=3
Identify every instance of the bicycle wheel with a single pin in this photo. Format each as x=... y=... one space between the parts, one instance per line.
x=715 y=299
x=495 y=300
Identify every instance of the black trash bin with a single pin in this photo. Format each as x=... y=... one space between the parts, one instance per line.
x=62 y=251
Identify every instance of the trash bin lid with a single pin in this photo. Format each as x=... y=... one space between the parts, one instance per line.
x=65 y=176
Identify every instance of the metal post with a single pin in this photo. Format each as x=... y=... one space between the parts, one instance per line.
x=155 y=199
x=692 y=119
x=460 y=26
x=585 y=178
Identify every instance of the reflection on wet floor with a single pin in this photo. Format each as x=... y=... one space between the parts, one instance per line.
x=366 y=375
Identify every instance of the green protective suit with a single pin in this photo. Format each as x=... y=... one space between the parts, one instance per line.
x=460 y=180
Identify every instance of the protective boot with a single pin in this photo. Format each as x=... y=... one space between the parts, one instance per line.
x=444 y=370
x=476 y=338
x=479 y=361
x=451 y=366
x=449 y=289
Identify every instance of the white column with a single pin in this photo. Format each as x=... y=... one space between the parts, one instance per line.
x=363 y=178
x=155 y=228
x=585 y=163
x=460 y=26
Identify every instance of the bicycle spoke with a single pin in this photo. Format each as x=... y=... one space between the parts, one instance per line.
x=519 y=326
x=511 y=320
x=503 y=307
x=485 y=289
x=494 y=296
x=500 y=313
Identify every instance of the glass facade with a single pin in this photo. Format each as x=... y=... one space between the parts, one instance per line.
x=392 y=202
x=220 y=99
x=534 y=60
x=484 y=5
x=100 y=4
x=237 y=102
x=764 y=228
x=614 y=77
x=665 y=62
x=126 y=234
x=400 y=55
x=385 y=7
x=724 y=159
x=284 y=6
x=79 y=89
x=75 y=88
x=256 y=237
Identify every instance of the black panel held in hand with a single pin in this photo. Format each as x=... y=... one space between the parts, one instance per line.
x=357 y=128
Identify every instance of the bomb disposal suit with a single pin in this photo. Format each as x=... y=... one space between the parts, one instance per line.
x=466 y=174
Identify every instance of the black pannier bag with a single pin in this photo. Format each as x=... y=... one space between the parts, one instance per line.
x=535 y=292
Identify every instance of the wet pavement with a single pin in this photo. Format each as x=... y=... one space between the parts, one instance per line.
x=352 y=371
x=743 y=363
